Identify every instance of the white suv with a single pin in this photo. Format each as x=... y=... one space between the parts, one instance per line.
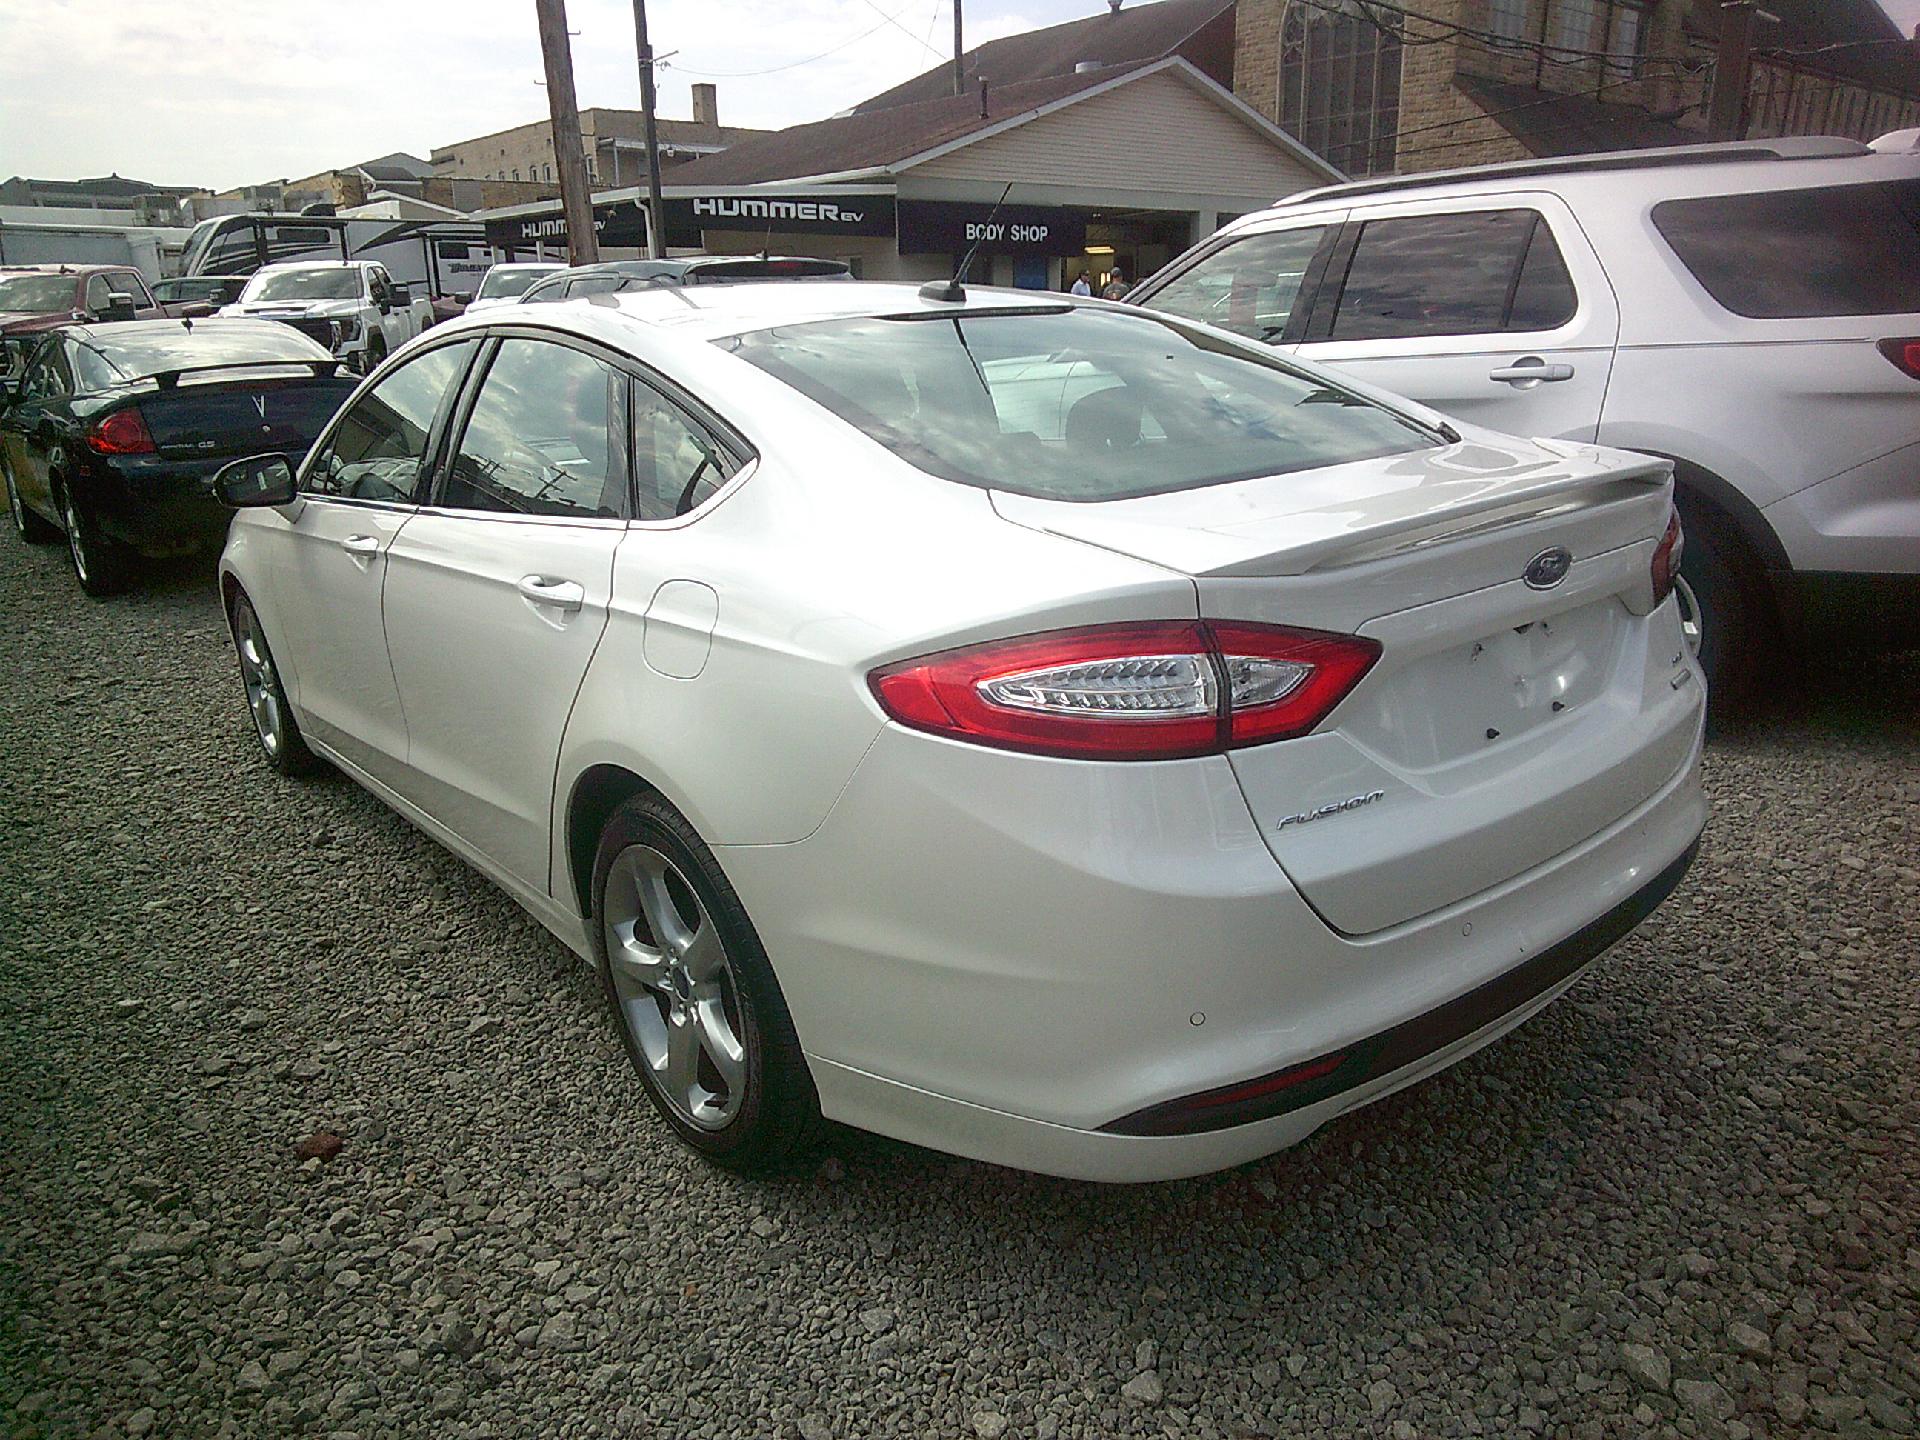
x=1750 y=311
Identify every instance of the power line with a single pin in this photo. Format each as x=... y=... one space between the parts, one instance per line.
x=927 y=43
x=885 y=20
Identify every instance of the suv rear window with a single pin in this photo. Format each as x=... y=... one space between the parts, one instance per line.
x=1796 y=254
x=1075 y=404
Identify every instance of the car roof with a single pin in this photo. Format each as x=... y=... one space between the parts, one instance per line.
x=711 y=311
x=1681 y=170
x=314 y=265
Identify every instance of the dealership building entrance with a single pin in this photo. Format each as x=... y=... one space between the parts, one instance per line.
x=1102 y=172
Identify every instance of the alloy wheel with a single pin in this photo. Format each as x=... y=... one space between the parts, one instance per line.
x=676 y=989
x=262 y=685
x=78 y=545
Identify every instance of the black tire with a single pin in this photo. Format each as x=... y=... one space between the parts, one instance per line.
x=1726 y=595
x=28 y=525
x=102 y=565
x=280 y=739
x=778 y=1114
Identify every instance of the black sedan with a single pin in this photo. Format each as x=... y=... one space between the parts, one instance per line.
x=112 y=433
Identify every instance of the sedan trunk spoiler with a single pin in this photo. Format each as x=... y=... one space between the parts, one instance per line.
x=169 y=379
x=1304 y=522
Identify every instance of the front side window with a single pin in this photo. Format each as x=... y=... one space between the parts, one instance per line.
x=1076 y=404
x=377 y=448
x=542 y=438
x=1248 y=286
x=130 y=283
x=1464 y=274
x=49 y=374
x=99 y=295
x=1795 y=254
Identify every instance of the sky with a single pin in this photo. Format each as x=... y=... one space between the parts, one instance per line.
x=230 y=92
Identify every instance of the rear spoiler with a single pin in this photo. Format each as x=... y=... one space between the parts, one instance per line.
x=169 y=379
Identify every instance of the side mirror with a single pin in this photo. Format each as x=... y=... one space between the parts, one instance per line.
x=257 y=481
x=120 y=306
x=401 y=296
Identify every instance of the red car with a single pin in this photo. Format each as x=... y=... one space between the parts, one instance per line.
x=34 y=298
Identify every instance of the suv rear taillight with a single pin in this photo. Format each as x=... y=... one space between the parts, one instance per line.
x=1666 y=558
x=1154 y=690
x=1905 y=354
x=122 y=433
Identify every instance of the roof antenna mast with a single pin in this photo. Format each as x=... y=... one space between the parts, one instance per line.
x=954 y=289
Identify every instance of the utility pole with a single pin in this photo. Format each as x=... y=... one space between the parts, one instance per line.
x=1731 y=69
x=959 y=69
x=576 y=200
x=656 y=234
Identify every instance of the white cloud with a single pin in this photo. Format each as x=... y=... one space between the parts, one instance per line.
x=226 y=92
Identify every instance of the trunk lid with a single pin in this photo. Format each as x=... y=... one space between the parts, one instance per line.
x=1503 y=724
x=216 y=419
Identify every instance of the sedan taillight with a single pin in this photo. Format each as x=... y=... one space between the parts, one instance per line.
x=1154 y=690
x=1904 y=353
x=122 y=433
x=1666 y=559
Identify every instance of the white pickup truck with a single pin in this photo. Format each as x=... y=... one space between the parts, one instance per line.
x=351 y=306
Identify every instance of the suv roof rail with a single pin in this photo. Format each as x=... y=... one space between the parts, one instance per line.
x=1785 y=147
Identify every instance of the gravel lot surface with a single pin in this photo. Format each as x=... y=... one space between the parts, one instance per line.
x=1682 y=1201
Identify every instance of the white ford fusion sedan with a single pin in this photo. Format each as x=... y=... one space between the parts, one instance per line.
x=1030 y=727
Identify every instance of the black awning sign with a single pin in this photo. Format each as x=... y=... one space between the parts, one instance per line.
x=937 y=227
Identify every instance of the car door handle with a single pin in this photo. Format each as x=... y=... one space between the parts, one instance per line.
x=1531 y=371
x=565 y=595
x=361 y=547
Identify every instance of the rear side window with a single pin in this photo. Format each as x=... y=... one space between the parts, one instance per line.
x=1481 y=272
x=1794 y=254
x=1248 y=287
x=677 y=461
x=543 y=437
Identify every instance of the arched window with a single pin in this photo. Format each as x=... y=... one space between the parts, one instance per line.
x=1340 y=85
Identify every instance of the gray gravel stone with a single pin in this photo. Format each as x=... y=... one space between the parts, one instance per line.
x=1486 y=1244
x=1646 y=1367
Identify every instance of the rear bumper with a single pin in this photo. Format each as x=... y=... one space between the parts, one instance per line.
x=1010 y=972
x=157 y=506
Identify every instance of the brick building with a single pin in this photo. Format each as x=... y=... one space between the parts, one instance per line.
x=1439 y=83
x=614 y=142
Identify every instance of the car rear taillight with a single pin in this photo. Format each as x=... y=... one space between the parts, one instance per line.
x=1155 y=690
x=1905 y=354
x=122 y=433
x=1666 y=558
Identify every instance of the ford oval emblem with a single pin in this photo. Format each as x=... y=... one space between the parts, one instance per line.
x=1548 y=568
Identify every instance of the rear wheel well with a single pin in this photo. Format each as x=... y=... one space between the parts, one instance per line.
x=599 y=791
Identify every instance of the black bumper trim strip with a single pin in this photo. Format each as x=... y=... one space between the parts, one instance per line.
x=1411 y=1040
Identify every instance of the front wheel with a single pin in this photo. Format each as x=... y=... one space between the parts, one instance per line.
x=693 y=995
x=273 y=722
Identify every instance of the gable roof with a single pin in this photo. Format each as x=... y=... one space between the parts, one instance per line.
x=1115 y=37
x=879 y=141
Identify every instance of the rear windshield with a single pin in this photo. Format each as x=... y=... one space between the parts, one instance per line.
x=36 y=294
x=146 y=349
x=724 y=270
x=1075 y=404
x=1794 y=254
x=500 y=283
x=328 y=284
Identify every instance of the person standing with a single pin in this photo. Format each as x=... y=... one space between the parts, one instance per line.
x=1116 y=286
x=1080 y=285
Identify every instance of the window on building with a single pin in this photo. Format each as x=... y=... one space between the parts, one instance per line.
x=1623 y=40
x=549 y=171
x=1570 y=24
x=1508 y=19
x=516 y=173
x=1340 y=85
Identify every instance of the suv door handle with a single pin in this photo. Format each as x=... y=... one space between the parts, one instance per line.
x=566 y=595
x=361 y=547
x=1531 y=370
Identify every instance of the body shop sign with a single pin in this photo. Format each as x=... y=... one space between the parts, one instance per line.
x=945 y=227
